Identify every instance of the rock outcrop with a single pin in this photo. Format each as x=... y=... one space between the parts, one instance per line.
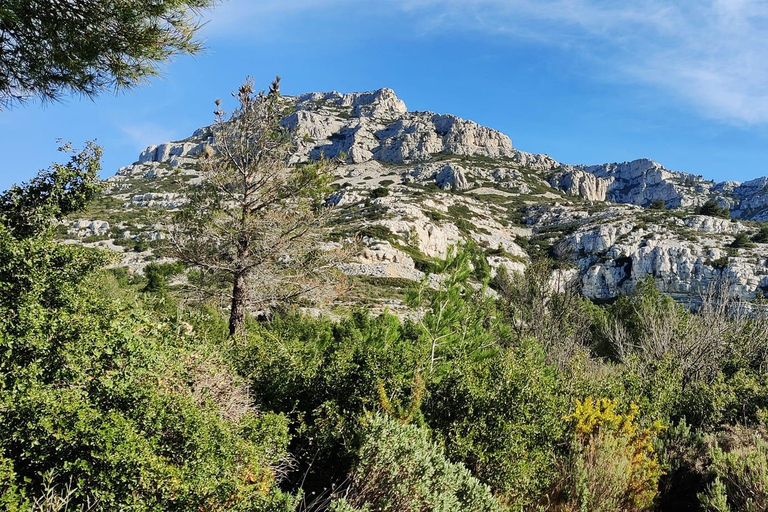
x=581 y=183
x=416 y=183
x=643 y=181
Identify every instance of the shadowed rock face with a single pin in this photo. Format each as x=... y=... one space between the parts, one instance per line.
x=415 y=183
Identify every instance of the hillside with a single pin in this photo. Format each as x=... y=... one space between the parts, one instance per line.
x=415 y=183
x=123 y=391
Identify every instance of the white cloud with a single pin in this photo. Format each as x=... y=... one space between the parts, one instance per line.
x=249 y=19
x=711 y=53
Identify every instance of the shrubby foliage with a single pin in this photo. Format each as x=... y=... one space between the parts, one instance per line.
x=713 y=208
x=399 y=468
x=739 y=467
x=28 y=209
x=100 y=394
x=114 y=394
x=502 y=418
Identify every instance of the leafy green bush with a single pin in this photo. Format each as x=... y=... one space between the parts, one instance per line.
x=379 y=192
x=713 y=209
x=325 y=375
x=719 y=263
x=376 y=231
x=502 y=418
x=739 y=470
x=98 y=391
x=157 y=275
x=741 y=241
x=761 y=236
x=401 y=469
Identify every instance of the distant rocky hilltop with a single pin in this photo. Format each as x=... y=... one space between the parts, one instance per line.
x=415 y=183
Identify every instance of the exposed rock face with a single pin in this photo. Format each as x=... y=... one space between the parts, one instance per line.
x=452 y=177
x=171 y=151
x=581 y=183
x=717 y=225
x=614 y=251
x=85 y=228
x=643 y=181
x=423 y=134
x=535 y=161
x=382 y=103
x=752 y=199
x=167 y=200
x=414 y=184
x=377 y=126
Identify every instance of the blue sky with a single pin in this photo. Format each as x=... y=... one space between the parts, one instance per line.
x=585 y=81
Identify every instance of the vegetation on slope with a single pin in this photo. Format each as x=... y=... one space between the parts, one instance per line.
x=118 y=393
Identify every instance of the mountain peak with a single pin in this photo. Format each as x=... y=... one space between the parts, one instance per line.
x=381 y=103
x=415 y=183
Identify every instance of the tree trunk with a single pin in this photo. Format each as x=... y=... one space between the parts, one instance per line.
x=239 y=300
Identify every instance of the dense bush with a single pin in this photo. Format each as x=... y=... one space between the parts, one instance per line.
x=739 y=469
x=503 y=419
x=741 y=241
x=612 y=465
x=712 y=208
x=762 y=235
x=102 y=395
x=157 y=275
x=325 y=375
x=401 y=469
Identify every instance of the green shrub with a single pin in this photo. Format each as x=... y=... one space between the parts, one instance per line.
x=157 y=275
x=435 y=216
x=741 y=241
x=502 y=418
x=377 y=231
x=401 y=469
x=12 y=497
x=739 y=472
x=761 y=236
x=720 y=263
x=713 y=209
x=325 y=375
x=379 y=192
x=98 y=391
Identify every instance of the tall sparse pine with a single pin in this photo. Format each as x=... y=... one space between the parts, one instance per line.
x=256 y=221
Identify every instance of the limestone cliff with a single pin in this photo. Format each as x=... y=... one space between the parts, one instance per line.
x=415 y=183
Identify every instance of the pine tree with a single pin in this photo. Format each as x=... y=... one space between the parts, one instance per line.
x=50 y=47
x=256 y=221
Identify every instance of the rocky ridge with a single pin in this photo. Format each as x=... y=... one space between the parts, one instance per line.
x=416 y=183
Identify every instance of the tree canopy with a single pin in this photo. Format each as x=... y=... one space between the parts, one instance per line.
x=49 y=48
x=256 y=221
x=714 y=209
x=63 y=189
